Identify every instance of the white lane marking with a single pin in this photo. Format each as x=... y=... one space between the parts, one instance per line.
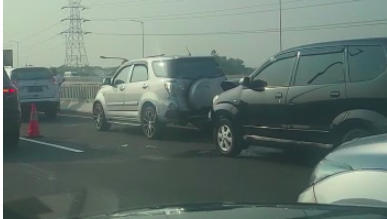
x=151 y=147
x=52 y=145
x=125 y=145
x=76 y=116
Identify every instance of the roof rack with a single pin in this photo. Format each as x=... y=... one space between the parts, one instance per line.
x=155 y=56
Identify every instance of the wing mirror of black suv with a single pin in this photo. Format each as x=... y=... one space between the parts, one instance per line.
x=245 y=81
x=257 y=84
x=107 y=81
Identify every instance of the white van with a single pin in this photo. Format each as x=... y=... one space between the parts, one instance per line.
x=69 y=74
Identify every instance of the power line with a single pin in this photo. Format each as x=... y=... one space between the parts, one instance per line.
x=291 y=29
x=39 y=32
x=41 y=42
x=34 y=24
x=126 y=2
x=167 y=16
x=45 y=50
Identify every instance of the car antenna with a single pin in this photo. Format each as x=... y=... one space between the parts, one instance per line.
x=189 y=53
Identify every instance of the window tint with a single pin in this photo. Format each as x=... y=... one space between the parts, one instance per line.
x=327 y=68
x=160 y=68
x=188 y=68
x=122 y=76
x=31 y=74
x=140 y=73
x=366 y=62
x=278 y=73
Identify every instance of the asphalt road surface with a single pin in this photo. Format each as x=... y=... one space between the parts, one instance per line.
x=76 y=170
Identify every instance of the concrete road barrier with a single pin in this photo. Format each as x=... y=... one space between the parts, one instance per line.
x=82 y=106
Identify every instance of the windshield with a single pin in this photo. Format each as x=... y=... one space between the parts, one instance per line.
x=165 y=105
x=189 y=68
x=26 y=74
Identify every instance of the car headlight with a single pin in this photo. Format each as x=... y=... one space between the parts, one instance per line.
x=328 y=168
x=215 y=98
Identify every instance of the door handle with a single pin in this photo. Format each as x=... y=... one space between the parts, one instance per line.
x=145 y=86
x=278 y=95
x=122 y=88
x=335 y=94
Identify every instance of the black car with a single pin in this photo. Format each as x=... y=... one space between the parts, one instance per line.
x=326 y=93
x=11 y=113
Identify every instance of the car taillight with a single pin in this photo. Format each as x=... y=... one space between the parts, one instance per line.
x=171 y=88
x=9 y=91
x=54 y=81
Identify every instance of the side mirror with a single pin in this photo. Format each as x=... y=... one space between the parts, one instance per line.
x=244 y=81
x=258 y=84
x=107 y=81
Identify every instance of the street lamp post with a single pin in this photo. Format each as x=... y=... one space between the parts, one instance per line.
x=17 y=51
x=280 y=24
x=143 y=35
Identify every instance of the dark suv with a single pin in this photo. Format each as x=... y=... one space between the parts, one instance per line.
x=326 y=93
x=11 y=113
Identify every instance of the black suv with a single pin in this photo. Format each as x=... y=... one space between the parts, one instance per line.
x=11 y=113
x=326 y=93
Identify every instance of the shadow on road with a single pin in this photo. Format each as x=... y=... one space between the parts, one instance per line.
x=297 y=156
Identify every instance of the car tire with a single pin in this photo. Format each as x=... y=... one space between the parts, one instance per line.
x=354 y=134
x=99 y=118
x=51 y=114
x=227 y=140
x=151 y=126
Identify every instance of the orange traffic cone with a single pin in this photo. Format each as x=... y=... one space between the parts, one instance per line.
x=33 y=126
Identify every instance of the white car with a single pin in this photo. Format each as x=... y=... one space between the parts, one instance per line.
x=36 y=85
x=354 y=174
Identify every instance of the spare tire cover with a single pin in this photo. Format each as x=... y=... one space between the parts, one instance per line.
x=203 y=91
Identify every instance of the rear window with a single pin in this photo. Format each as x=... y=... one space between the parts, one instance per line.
x=189 y=68
x=6 y=80
x=31 y=74
x=366 y=62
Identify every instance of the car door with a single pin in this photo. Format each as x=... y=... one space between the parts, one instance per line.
x=317 y=95
x=263 y=111
x=114 y=95
x=137 y=86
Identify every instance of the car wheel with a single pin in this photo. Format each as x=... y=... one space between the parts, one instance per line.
x=227 y=140
x=52 y=113
x=151 y=126
x=100 y=121
x=355 y=134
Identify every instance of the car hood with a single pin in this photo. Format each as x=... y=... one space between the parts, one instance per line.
x=247 y=211
x=370 y=152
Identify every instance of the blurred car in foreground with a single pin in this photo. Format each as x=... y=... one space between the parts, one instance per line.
x=11 y=113
x=249 y=211
x=354 y=174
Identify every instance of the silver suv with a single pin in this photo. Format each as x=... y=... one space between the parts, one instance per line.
x=36 y=85
x=154 y=91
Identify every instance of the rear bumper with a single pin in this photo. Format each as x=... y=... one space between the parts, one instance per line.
x=40 y=105
x=175 y=115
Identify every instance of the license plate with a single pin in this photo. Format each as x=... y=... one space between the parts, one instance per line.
x=35 y=89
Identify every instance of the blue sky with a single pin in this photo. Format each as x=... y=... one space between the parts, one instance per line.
x=35 y=24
